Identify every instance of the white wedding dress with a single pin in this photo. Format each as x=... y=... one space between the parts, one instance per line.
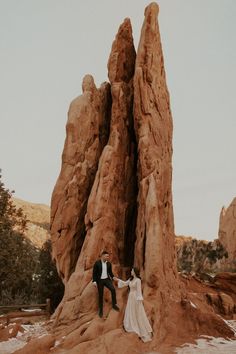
x=135 y=319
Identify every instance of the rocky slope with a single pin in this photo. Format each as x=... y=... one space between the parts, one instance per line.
x=38 y=217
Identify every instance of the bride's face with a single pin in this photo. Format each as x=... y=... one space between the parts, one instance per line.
x=132 y=273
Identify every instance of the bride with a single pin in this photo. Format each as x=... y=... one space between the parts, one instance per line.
x=135 y=319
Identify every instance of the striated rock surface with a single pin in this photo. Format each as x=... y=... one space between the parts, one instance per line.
x=111 y=204
x=38 y=221
x=116 y=193
x=155 y=243
x=153 y=126
x=227 y=230
x=111 y=208
x=87 y=133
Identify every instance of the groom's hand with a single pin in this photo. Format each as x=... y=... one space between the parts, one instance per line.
x=94 y=283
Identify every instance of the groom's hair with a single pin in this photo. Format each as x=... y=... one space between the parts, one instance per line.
x=104 y=252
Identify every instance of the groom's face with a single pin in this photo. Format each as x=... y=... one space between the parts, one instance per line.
x=105 y=257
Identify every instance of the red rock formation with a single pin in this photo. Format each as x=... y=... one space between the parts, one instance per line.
x=87 y=132
x=112 y=197
x=155 y=244
x=10 y=331
x=227 y=230
x=200 y=256
x=110 y=217
x=132 y=168
x=38 y=345
x=153 y=126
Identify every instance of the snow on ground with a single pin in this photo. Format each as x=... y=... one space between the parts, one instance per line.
x=31 y=310
x=211 y=345
x=10 y=346
x=31 y=331
x=204 y=345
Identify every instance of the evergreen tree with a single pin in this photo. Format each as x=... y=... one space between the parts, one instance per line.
x=27 y=274
x=18 y=256
x=49 y=284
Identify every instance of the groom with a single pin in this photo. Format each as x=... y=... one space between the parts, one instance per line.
x=102 y=276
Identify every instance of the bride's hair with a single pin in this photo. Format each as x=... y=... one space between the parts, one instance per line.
x=137 y=273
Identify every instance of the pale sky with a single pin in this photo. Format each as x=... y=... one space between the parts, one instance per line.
x=48 y=46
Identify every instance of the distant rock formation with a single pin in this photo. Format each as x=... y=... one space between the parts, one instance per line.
x=215 y=256
x=227 y=230
x=38 y=221
x=200 y=256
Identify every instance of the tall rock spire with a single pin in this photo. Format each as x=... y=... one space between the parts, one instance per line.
x=155 y=249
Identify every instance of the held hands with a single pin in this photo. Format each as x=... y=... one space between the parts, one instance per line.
x=116 y=280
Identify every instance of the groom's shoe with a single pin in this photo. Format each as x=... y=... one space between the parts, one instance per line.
x=115 y=307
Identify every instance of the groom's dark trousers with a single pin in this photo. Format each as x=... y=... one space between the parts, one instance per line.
x=97 y=272
x=108 y=284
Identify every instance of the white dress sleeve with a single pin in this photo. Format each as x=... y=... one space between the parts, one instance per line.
x=122 y=283
x=139 y=295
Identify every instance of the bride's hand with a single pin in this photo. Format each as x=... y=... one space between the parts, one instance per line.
x=115 y=278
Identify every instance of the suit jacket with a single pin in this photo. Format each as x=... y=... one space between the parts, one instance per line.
x=97 y=270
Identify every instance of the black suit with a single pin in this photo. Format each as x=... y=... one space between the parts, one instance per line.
x=97 y=272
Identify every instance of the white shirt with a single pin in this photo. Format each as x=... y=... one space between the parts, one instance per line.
x=104 y=270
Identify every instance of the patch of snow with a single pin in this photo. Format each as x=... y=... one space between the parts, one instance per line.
x=210 y=345
x=19 y=334
x=11 y=346
x=31 y=331
x=231 y=324
x=31 y=310
x=193 y=305
x=57 y=343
